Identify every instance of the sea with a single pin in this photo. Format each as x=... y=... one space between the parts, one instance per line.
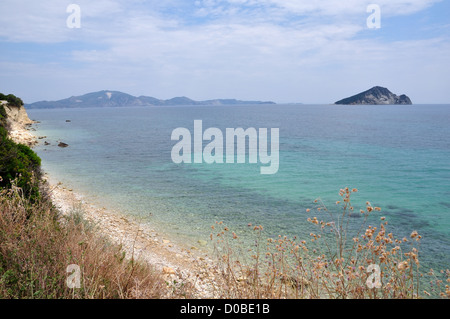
x=398 y=157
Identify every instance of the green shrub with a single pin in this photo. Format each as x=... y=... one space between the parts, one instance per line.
x=18 y=163
x=2 y=115
x=12 y=99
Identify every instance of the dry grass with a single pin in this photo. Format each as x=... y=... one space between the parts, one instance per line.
x=334 y=262
x=37 y=246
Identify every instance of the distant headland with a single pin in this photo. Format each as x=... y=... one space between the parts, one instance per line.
x=118 y=99
x=376 y=96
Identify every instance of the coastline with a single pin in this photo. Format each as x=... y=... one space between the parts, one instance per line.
x=141 y=242
x=179 y=266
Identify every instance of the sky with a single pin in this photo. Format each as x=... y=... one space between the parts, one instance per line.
x=286 y=51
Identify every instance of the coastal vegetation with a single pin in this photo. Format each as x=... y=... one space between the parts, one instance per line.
x=37 y=245
x=11 y=99
x=17 y=161
x=334 y=262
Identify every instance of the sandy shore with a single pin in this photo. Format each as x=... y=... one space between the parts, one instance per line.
x=177 y=264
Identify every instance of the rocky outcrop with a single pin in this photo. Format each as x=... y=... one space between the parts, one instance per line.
x=376 y=96
x=16 y=115
x=63 y=145
x=18 y=121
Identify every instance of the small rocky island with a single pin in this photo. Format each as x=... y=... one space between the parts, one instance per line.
x=376 y=96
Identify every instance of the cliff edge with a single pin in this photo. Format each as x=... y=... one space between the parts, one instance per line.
x=18 y=123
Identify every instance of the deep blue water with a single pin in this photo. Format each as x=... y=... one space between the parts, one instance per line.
x=397 y=156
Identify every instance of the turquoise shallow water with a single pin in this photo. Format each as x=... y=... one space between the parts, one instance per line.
x=397 y=156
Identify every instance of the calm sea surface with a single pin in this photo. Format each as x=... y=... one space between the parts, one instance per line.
x=397 y=156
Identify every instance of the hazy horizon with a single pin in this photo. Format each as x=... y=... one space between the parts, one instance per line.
x=213 y=99
x=285 y=51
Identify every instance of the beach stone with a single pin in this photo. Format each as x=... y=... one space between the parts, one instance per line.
x=168 y=271
x=165 y=241
x=202 y=242
x=61 y=144
x=242 y=279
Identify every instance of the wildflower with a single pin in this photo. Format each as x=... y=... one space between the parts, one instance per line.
x=414 y=234
x=403 y=265
x=354 y=190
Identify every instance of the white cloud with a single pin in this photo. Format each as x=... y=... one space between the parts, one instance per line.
x=314 y=7
x=244 y=49
x=45 y=21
